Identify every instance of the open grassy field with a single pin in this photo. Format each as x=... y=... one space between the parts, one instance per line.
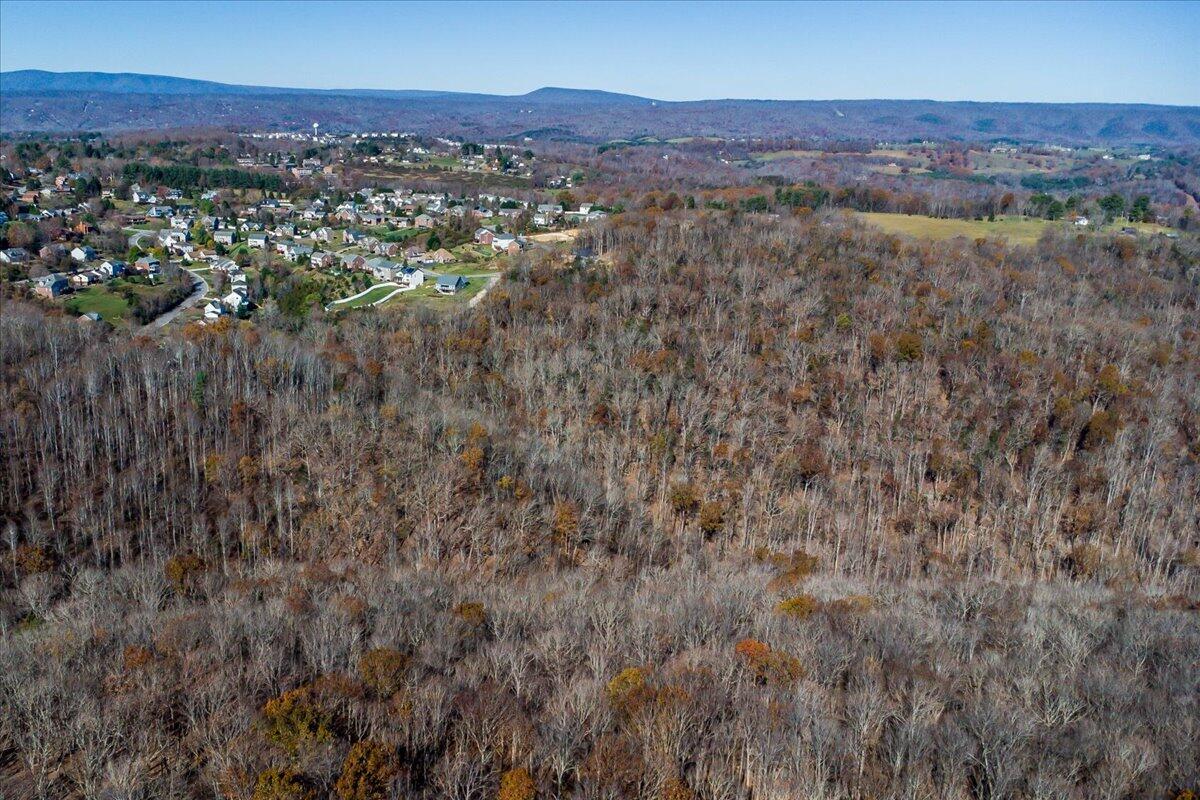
x=108 y=300
x=775 y=155
x=1016 y=230
x=113 y=307
x=463 y=268
x=989 y=163
x=442 y=161
x=1145 y=228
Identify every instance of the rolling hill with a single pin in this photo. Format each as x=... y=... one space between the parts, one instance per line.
x=38 y=101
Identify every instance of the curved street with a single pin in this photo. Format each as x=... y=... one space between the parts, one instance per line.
x=200 y=288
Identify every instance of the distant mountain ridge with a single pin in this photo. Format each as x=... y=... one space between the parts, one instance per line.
x=33 y=81
x=41 y=101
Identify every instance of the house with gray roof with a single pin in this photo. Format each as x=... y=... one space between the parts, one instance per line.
x=450 y=284
x=51 y=285
x=14 y=255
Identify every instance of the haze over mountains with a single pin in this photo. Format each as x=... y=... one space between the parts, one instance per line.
x=39 y=101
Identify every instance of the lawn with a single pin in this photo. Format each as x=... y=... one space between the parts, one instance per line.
x=387 y=235
x=113 y=307
x=476 y=252
x=367 y=299
x=148 y=225
x=1017 y=230
x=441 y=161
x=427 y=295
x=463 y=268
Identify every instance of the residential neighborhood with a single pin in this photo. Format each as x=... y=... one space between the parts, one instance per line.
x=290 y=235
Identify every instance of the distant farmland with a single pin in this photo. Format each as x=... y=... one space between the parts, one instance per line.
x=1017 y=230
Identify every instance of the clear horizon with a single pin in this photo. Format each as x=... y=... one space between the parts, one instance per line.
x=1045 y=52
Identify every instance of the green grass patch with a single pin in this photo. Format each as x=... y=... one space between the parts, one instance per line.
x=388 y=235
x=367 y=299
x=101 y=300
x=428 y=296
x=463 y=268
x=152 y=225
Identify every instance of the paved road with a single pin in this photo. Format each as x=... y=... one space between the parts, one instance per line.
x=201 y=289
x=199 y=283
x=136 y=238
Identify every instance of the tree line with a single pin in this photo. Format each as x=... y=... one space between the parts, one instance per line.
x=184 y=176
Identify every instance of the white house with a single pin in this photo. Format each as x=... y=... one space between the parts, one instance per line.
x=83 y=253
x=501 y=242
x=234 y=301
x=112 y=268
x=169 y=236
x=410 y=277
x=295 y=251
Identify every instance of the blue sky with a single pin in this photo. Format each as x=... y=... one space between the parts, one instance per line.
x=1074 y=52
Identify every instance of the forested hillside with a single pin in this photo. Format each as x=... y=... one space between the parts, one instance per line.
x=718 y=506
x=36 y=101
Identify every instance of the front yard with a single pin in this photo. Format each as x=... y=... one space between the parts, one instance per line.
x=427 y=295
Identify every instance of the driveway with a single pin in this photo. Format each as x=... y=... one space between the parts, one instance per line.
x=474 y=301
